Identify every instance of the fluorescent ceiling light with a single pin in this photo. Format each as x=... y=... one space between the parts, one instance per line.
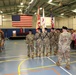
x=21 y=3
x=1 y=11
x=62 y=14
x=31 y=2
x=74 y=10
x=50 y=1
x=35 y=13
x=20 y=9
x=41 y=8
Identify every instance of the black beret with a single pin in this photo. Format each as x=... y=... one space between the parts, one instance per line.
x=64 y=27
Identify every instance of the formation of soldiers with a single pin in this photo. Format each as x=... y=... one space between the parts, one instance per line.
x=43 y=43
x=50 y=43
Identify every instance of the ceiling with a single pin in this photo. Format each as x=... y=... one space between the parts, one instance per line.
x=29 y=7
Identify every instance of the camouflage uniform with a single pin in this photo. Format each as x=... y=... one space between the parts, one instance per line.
x=30 y=42
x=53 y=37
x=38 y=41
x=46 y=43
x=57 y=39
x=64 y=47
x=1 y=41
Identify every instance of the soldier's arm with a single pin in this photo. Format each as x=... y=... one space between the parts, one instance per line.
x=27 y=39
x=60 y=39
x=70 y=39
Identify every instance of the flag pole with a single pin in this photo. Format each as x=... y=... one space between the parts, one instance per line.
x=38 y=19
x=43 y=21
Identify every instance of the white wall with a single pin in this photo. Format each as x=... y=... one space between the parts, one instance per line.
x=74 y=23
x=59 y=22
x=69 y=22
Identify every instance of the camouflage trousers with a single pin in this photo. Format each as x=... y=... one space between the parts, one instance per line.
x=38 y=47
x=53 y=48
x=46 y=49
x=65 y=55
x=30 y=49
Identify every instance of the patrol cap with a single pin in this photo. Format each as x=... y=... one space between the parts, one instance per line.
x=52 y=28
x=30 y=30
x=39 y=29
x=45 y=28
x=64 y=27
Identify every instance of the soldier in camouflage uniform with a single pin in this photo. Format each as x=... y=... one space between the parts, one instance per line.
x=64 y=48
x=45 y=41
x=30 y=42
x=57 y=39
x=1 y=41
x=53 y=37
x=38 y=41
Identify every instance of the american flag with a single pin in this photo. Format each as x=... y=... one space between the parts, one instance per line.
x=21 y=21
x=52 y=21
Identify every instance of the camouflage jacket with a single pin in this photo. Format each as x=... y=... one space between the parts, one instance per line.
x=64 y=41
x=30 y=39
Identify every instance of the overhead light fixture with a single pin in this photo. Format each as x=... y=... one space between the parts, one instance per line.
x=62 y=14
x=50 y=1
x=41 y=8
x=21 y=3
x=31 y=2
x=20 y=10
x=35 y=13
x=74 y=10
x=1 y=11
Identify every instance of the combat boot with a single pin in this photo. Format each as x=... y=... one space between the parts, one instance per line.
x=28 y=55
x=55 y=52
x=32 y=55
x=47 y=54
x=67 y=67
x=58 y=64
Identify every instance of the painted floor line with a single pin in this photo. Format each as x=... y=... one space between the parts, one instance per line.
x=73 y=53
x=73 y=56
x=40 y=67
x=14 y=59
x=13 y=56
x=19 y=66
x=17 y=59
x=60 y=66
x=44 y=66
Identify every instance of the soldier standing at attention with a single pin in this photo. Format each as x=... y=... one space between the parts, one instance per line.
x=64 y=47
x=57 y=40
x=38 y=41
x=46 y=43
x=30 y=42
x=53 y=38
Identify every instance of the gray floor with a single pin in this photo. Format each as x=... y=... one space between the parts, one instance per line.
x=14 y=61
